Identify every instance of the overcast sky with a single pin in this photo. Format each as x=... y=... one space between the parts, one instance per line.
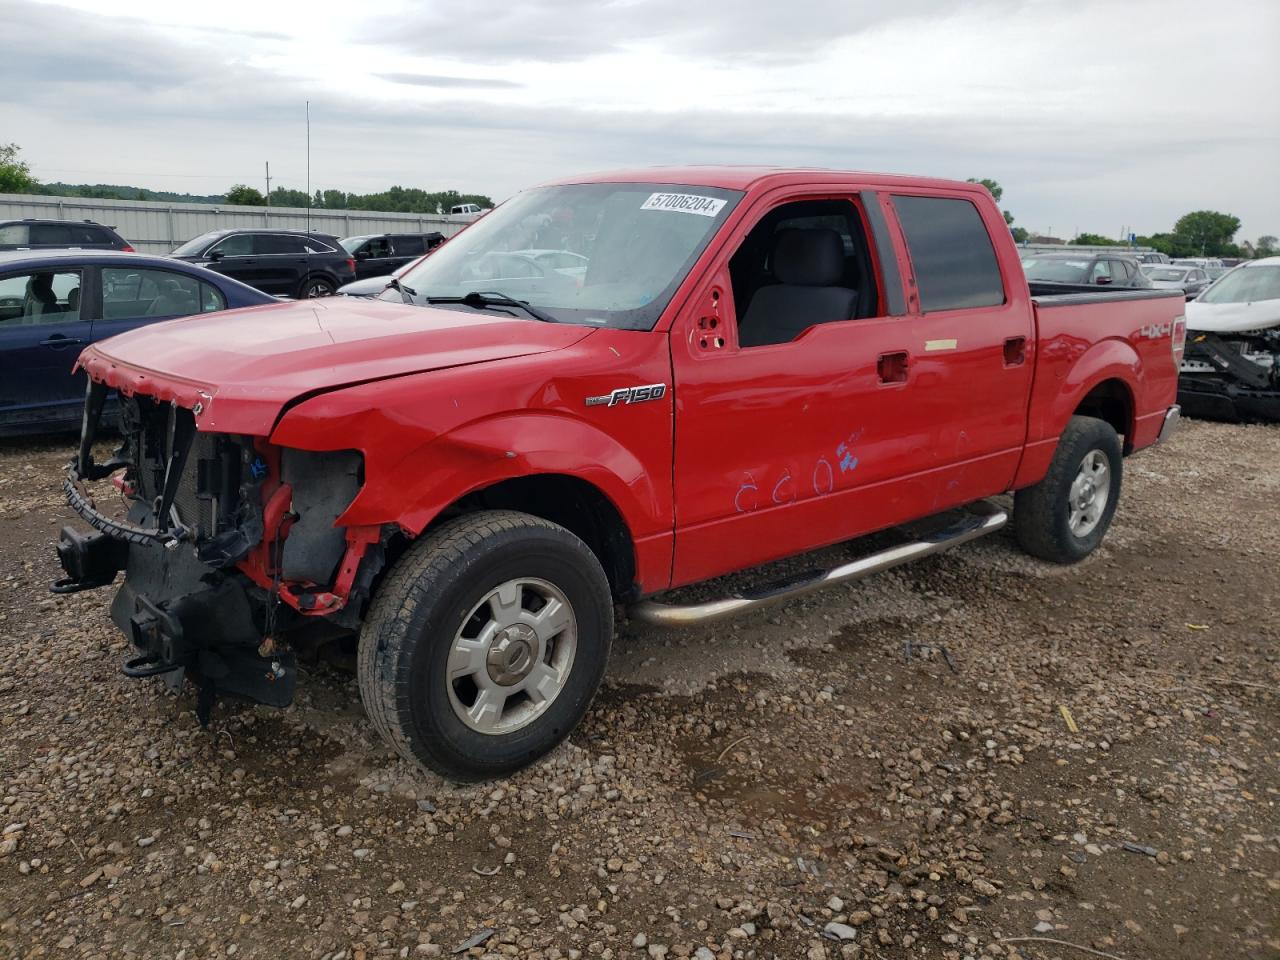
x=1094 y=114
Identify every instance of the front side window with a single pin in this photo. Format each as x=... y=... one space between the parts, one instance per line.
x=805 y=263
x=236 y=245
x=637 y=240
x=951 y=253
x=140 y=292
x=39 y=297
x=14 y=233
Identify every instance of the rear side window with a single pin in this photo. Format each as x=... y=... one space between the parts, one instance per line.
x=145 y=292
x=951 y=253
x=14 y=233
x=410 y=246
x=268 y=243
x=51 y=234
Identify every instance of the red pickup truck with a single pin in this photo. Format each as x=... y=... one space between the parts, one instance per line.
x=606 y=388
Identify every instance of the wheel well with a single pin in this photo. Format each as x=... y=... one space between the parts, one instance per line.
x=574 y=504
x=1111 y=402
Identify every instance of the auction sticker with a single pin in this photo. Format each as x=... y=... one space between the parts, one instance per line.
x=684 y=203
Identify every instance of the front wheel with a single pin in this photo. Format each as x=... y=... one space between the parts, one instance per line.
x=1064 y=517
x=485 y=644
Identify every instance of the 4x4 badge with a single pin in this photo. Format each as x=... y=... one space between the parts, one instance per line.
x=653 y=391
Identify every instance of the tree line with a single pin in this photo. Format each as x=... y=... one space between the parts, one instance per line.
x=395 y=200
x=1201 y=233
x=16 y=177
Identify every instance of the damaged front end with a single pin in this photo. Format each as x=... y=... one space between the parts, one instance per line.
x=228 y=544
x=1231 y=375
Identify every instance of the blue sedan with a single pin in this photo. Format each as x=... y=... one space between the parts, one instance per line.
x=54 y=302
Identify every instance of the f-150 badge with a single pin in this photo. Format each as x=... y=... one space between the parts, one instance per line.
x=652 y=391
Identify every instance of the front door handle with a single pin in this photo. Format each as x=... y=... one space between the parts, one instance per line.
x=892 y=367
x=58 y=341
x=1015 y=351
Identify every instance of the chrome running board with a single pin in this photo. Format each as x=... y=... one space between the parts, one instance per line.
x=983 y=518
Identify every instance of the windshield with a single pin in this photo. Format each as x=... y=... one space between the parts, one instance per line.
x=623 y=249
x=1060 y=271
x=1245 y=285
x=1165 y=273
x=195 y=246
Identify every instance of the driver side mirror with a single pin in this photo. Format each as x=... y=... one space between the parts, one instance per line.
x=362 y=254
x=215 y=255
x=1102 y=281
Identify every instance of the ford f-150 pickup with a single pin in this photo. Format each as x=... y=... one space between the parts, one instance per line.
x=467 y=475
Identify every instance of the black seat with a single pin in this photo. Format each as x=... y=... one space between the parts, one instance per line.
x=808 y=265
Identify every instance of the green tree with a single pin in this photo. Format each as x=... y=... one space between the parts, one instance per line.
x=1020 y=234
x=15 y=173
x=1266 y=246
x=1093 y=240
x=334 y=200
x=243 y=196
x=284 y=197
x=1207 y=232
x=996 y=191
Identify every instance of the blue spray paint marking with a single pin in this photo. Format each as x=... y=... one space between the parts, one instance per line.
x=258 y=469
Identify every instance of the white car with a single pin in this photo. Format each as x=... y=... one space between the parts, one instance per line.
x=1231 y=367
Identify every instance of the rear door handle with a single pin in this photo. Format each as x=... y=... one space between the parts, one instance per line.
x=892 y=367
x=1015 y=351
x=57 y=341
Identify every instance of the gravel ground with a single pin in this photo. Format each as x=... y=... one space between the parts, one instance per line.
x=1099 y=768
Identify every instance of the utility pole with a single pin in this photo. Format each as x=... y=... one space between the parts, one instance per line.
x=268 y=183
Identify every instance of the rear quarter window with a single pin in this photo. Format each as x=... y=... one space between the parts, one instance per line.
x=951 y=253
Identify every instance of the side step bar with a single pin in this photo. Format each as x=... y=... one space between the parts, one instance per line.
x=983 y=518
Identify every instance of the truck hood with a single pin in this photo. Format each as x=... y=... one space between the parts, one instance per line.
x=238 y=370
x=1232 y=317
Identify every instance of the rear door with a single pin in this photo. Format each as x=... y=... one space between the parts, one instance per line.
x=406 y=249
x=974 y=346
x=282 y=262
x=42 y=331
x=235 y=256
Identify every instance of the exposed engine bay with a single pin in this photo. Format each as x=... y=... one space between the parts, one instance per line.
x=229 y=546
x=1231 y=375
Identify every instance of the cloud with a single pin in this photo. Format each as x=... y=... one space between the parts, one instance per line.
x=436 y=80
x=532 y=31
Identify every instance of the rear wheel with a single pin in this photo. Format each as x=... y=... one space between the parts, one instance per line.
x=485 y=644
x=315 y=287
x=1064 y=517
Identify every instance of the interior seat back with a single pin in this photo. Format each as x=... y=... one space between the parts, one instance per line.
x=809 y=266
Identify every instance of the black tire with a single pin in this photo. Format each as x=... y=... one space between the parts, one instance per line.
x=416 y=616
x=316 y=287
x=1042 y=513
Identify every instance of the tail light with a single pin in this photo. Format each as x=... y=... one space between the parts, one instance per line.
x=1179 y=339
x=128 y=249
x=351 y=264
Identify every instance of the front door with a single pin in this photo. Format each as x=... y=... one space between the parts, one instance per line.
x=799 y=414
x=42 y=331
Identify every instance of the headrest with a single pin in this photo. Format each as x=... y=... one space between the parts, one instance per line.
x=808 y=258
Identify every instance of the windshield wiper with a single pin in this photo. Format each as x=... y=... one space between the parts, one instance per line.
x=482 y=299
x=406 y=293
